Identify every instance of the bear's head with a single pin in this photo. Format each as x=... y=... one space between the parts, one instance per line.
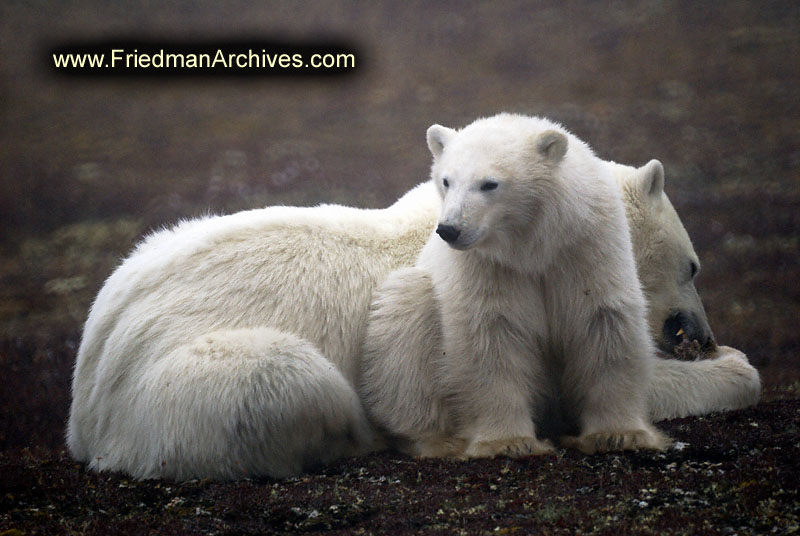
x=665 y=259
x=499 y=180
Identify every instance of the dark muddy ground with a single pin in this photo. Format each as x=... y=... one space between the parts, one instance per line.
x=732 y=474
x=89 y=165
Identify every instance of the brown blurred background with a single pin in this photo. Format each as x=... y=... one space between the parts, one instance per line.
x=89 y=165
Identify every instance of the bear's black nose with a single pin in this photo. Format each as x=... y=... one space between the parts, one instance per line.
x=448 y=233
x=682 y=325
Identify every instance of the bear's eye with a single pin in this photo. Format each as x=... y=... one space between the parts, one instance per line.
x=445 y=183
x=693 y=269
x=488 y=186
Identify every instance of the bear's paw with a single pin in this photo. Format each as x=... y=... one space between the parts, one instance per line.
x=514 y=447
x=437 y=447
x=608 y=441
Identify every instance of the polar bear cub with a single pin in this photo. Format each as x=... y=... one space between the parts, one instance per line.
x=540 y=306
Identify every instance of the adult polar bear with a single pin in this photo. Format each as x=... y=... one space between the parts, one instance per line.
x=229 y=346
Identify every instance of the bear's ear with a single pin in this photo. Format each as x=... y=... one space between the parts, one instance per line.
x=552 y=144
x=650 y=179
x=438 y=136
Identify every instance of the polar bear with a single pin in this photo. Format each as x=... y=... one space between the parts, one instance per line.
x=404 y=333
x=667 y=265
x=229 y=346
x=540 y=303
x=657 y=232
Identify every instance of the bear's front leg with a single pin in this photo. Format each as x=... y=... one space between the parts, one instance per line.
x=606 y=377
x=500 y=422
x=724 y=381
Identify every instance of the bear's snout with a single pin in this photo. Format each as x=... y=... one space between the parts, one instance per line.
x=686 y=325
x=448 y=233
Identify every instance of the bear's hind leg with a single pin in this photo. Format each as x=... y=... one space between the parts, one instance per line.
x=238 y=403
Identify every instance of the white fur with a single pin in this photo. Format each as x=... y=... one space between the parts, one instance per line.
x=398 y=387
x=226 y=347
x=538 y=294
x=229 y=346
x=664 y=254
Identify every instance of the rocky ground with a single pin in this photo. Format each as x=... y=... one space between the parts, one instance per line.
x=89 y=166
